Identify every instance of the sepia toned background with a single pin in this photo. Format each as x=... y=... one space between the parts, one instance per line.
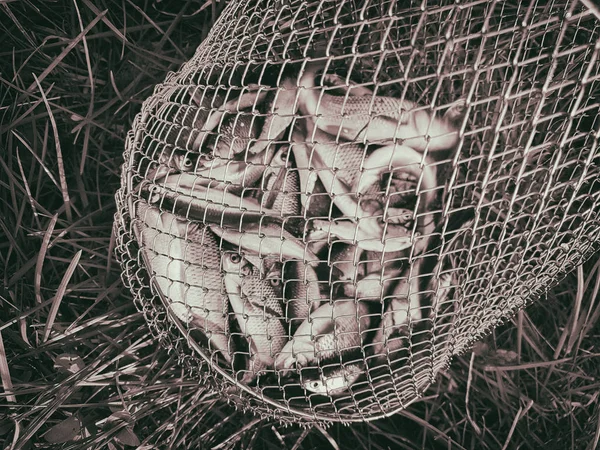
x=80 y=369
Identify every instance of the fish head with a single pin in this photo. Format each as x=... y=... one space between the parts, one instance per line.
x=274 y=275
x=263 y=285
x=235 y=264
x=281 y=157
x=334 y=381
x=184 y=162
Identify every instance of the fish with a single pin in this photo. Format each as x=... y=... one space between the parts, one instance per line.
x=403 y=309
x=365 y=223
x=239 y=173
x=345 y=84
x=344 y=260
x=367 y=234
x=249 y=98
x=325 y=156
x=308 y=178
x=378 y=118
x=257 y=304
x=170 y=128
x=330 y=329
x=332 y=334
x=301 y=293
x=215 y=203
x=266 y=240
x=404 y=306
x=170 y=160
x=282 y=186
x=235 y=135
x=183 y=260
x=397 y=158
x=387 y=263
x=405 y=159
x=281 y=113
x=338 y=163
x=334 y=381
x=343 y=160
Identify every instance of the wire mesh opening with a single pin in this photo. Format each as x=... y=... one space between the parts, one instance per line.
x=331 y=199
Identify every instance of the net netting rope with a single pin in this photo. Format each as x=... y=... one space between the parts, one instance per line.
x=332 y=199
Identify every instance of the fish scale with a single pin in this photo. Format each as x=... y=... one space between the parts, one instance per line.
x=360 y=110
x=257 y=304
x=344 y=339
x=346 y=160
x=286 y=196
x=235 y=134
x=378 y=118
x=183 y=259
x=301 y=292
x=333 y=328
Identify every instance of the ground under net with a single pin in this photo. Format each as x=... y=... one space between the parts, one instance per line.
x=332 y=199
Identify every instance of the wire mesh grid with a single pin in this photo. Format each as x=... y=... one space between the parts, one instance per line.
x=331 y=199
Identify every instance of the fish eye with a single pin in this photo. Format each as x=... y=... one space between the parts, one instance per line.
x=275 y=282
x=187 y=162
x=235 y=258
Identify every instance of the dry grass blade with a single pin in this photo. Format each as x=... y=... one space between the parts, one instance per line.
x=329 y=438
x=61 y=167
x=27 y=188
x=60 y=294
x=37 y=278
x=577 y=322
x=86 y=137
x=594 y=444
x=469 y=381
x=63 y=54
x=5 y=374
x=234 y=438
x=38 y=159
x=109 y=24
x=300 y=439
x=518 y=417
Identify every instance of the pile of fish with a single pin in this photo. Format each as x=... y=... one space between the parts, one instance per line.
x=277 y=223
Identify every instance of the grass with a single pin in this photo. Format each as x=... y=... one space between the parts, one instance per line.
x=79 y=367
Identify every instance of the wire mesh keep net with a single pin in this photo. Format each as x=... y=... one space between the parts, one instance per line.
x=331 y=199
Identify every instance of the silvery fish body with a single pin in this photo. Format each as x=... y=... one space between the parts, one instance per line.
x=282 y=188
x=235 y=134
x=344 y=159
x=301 y=292
x=378 y=118
x=171 y=129
x=333 y=328
x=186 y=196
x=334 y=381
x=257 y=304
x=183 y=260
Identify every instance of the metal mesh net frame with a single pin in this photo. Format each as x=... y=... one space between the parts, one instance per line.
x=223 y=247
